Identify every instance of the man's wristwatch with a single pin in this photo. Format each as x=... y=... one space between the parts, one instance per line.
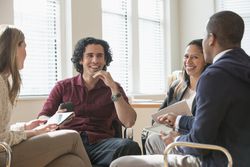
x=115 y=97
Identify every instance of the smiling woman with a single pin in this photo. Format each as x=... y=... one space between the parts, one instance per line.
x=28 y=138
x=181 y=89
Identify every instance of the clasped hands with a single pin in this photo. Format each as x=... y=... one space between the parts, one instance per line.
x=168 y=120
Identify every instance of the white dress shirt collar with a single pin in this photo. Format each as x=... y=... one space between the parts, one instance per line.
x=220 y=54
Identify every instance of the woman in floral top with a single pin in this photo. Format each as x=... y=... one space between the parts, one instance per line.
x=28 y=139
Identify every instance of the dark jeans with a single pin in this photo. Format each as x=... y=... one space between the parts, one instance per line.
x=105 y=151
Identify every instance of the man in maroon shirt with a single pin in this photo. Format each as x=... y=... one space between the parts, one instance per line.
x=98 y=101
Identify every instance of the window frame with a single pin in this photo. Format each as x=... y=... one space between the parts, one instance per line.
x=133 y=70
x=65 y=68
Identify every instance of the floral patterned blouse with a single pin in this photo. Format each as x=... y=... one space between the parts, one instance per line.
x=13 y=134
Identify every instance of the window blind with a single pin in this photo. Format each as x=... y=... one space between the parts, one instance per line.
x=39 y=20
x=116 y=33
x=151 y=51
x=134 y=30
x=241 y=7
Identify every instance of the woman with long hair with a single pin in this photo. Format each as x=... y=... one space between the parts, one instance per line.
x=181 y=89
x=32 y=144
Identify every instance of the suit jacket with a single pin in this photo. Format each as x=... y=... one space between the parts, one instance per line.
x=222 y=111
x=186 y=122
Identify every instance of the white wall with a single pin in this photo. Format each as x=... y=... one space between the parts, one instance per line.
x=82 y=18
x=86 y=19
x=143 y=120
x=172 y=35
x=193 y=15
x=27 y=109
x=6 y=12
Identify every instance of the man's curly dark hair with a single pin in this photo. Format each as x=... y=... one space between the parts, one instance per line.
x=80 y=50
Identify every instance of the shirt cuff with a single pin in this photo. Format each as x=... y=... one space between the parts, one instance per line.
x=176 y=124
x=176 y=139
x=176 y=147
x=19 y=126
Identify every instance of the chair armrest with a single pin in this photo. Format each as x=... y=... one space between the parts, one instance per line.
x=4 y=147
x=197 y=145
x=128 y=133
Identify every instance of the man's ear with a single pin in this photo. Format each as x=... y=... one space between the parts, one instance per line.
x=211 y=39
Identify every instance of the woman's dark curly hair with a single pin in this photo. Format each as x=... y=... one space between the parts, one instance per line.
x=80 y=50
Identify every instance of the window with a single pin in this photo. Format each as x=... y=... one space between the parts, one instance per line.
x=39 y=20
x=135 y=32
x=151 y=53
x=116 y=33
x=241 y=7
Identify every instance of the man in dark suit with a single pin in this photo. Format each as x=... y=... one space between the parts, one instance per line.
x=223 y=94
x=223 y=101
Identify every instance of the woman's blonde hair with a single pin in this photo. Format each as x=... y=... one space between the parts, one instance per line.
x=10 y=39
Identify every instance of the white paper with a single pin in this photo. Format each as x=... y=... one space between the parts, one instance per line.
x=178 y=108
x=157 y=128
x=59 y=118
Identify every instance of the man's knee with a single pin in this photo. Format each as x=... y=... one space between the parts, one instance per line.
x=154 y=144
x=133 y=147
x=153 y=139
x=128 y=147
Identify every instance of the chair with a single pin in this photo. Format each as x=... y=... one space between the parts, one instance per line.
x=5 y=148
x=127 y=132
x=175 y=75
x=197 y=145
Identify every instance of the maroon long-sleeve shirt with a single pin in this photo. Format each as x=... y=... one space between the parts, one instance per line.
x=94 y=109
